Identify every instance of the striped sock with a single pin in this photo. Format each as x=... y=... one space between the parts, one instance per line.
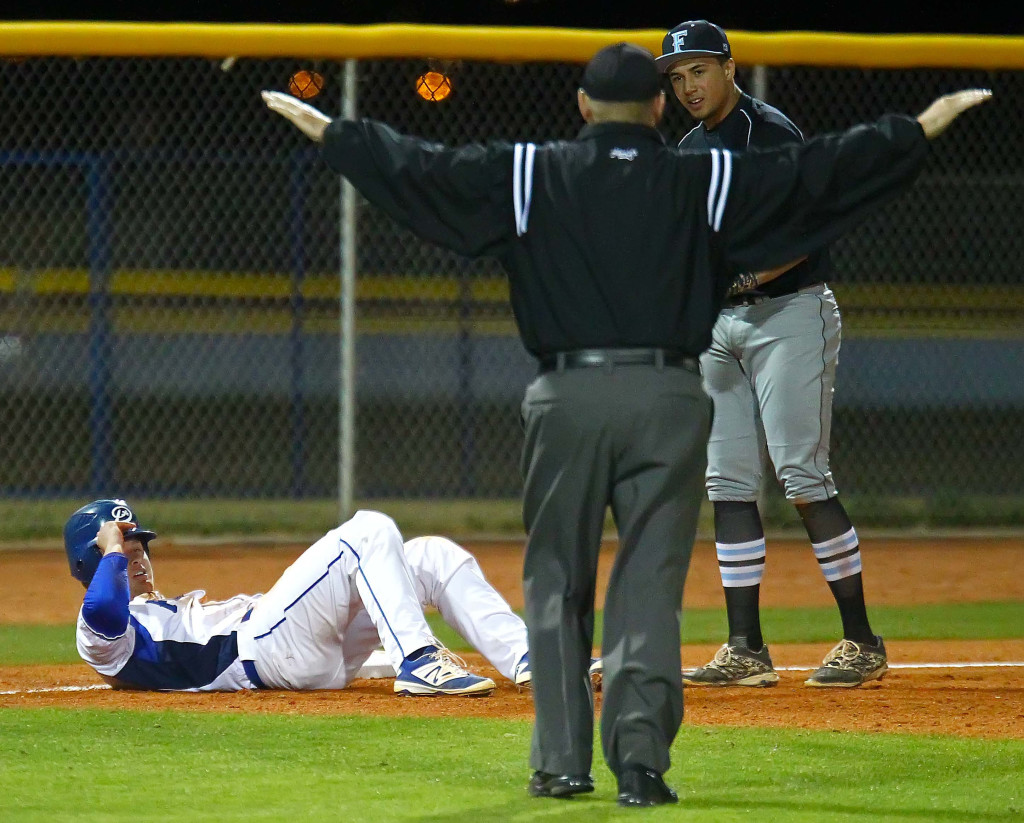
x=741 y=564
x=839 y=557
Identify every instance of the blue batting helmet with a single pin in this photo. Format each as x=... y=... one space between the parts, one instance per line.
x=82 y=527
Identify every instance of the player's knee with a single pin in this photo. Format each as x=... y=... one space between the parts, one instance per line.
x=375 y=522
x=437 y=551
x=802 y=488
x=721 y=488
x=434 y=562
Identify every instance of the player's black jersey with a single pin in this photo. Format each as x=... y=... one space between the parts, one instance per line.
x=754 y=124
x=614 y=239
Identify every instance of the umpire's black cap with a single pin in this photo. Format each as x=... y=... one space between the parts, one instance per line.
x=622 y=72
x=694 y=38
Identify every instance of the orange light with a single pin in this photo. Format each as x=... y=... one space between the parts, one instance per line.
x=305 y=84
x=433 y=86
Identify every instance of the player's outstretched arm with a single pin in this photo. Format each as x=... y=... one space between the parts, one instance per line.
x=944 y=110
x=310 y=121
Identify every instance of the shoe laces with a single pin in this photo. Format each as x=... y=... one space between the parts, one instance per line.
x=448 y=658
x=845 y=652
x=724 y=656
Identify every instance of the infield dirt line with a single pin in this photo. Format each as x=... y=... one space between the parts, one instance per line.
x=964 y=665
x=1009 y=664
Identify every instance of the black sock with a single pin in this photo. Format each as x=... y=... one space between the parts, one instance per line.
x=826 y=520
x=739 y=522
x=742 y=607
x=849 y=595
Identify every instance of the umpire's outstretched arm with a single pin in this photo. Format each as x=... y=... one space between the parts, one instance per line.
x=768 y=206
x=791 y=200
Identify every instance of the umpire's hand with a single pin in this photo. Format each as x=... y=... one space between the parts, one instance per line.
x=947 y=108
x=311 y=122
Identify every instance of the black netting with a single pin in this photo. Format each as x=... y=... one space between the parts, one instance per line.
x=169 y=287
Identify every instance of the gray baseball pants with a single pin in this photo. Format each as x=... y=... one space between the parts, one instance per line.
x=773 y=367
x=634 y=438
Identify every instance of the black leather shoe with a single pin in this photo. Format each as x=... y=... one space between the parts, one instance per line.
x=543 y=784
x=639 y=786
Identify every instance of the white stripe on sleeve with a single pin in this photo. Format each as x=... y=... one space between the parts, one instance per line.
x=531 y=151
x=715 y=162
x=517 y=184
x=723 y=194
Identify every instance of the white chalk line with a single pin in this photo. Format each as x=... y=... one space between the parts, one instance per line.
x=1006 y=665
x=1000 y=665
x=55 y=689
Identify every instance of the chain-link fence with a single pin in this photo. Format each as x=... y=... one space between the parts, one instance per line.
x=169 y=287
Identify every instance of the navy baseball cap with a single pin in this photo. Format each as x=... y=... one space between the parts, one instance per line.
x=694 y=38
x=622 y=72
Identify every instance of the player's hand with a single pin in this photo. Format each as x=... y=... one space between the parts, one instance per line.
x=311 y=122
x=110 y=537
x=741 y=283
x=947 y=108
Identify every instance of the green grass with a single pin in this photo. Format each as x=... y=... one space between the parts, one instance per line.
x=293 y=520
x=89 y=765
x=22 y=645
x=305 y=520
x=946 y=621
x=28 y=644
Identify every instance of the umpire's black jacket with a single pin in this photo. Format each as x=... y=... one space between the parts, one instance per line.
x=614 y=240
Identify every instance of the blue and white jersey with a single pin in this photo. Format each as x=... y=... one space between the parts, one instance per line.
x=180 y=643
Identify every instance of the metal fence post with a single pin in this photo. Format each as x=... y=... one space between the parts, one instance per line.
x=467 y=448
x=100 y=349
x=759 y=82
x=347 y=382
x=295 y=337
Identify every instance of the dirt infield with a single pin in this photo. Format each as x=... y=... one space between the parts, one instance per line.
x=982 y=701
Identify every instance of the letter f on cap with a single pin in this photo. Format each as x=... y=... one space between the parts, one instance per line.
x=679 y=39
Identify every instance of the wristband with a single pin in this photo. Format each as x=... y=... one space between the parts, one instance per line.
x=743 y=282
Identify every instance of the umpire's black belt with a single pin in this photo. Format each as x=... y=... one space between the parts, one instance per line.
x=609 y=358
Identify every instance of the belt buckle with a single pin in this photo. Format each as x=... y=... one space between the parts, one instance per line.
x=745 y=300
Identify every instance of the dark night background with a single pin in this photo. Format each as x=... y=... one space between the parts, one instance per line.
x=977 y=18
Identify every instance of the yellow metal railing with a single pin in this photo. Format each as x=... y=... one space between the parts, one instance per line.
x=944 y=310
x=221 y=40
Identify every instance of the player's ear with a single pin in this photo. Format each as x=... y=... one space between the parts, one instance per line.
x=586 y=110
x=730 y=69
x=658 y=107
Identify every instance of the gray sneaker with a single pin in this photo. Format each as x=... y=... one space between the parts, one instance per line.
x=850 y=664
x=735 y=666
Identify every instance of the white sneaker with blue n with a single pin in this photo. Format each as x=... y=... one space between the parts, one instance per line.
x=434 y=670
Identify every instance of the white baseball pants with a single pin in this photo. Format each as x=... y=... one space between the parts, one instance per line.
x=359 y=587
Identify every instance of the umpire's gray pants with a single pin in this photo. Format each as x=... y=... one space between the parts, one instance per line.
x=634 y=437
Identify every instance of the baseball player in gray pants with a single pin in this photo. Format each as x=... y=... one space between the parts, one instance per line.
x=771 y=366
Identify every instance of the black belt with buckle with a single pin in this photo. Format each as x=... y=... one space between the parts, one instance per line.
x=756 y=298
x=738 y=300
x=597 y=358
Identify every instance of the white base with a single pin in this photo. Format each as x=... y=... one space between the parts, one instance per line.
x=376 y=667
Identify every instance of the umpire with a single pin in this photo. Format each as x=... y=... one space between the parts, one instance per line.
x=619 y=252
